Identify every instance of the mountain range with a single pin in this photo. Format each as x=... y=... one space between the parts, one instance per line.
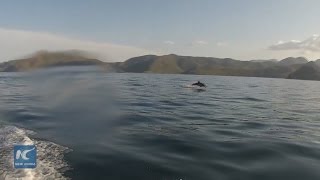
x=291 y=67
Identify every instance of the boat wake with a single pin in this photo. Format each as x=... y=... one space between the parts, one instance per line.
x=50 y=156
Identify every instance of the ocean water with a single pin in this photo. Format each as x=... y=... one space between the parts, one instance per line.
x=88 y=124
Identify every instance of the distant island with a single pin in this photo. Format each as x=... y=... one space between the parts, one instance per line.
x=291 y=67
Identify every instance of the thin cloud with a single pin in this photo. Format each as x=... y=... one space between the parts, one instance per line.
x=18 y=43
x=222 y=44
x=169 y=42
x=310 y=44
x=200 y=42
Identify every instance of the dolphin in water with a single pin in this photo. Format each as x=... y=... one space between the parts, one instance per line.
x=200 y=84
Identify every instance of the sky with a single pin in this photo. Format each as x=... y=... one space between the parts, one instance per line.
x=116 y=30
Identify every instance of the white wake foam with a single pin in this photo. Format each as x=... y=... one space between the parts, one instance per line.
x=50 y=156
x=194 y=87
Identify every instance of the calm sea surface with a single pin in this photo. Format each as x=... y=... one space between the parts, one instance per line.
x=91 y=125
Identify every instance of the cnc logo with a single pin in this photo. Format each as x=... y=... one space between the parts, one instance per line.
x=25 y=156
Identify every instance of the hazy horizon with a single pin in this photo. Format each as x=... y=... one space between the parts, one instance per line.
x=92 y=55
x=118 y=30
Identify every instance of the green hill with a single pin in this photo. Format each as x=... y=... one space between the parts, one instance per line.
x=293 y=61
x=309 y=71
x=44 y=59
